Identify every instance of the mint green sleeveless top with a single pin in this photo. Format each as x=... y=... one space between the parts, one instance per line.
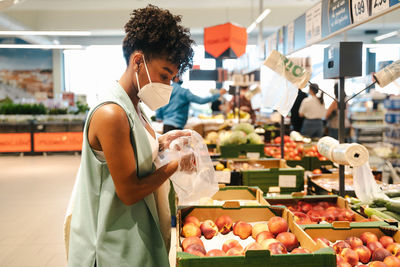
x=103 y=229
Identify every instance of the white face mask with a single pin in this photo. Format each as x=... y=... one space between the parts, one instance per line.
x=154 y=95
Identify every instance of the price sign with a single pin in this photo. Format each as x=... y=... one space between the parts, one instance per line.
x=359 y=10
x=290 y=37
x=378 y=6
x=313 y=23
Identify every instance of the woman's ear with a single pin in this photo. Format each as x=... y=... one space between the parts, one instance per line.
x=135 y=61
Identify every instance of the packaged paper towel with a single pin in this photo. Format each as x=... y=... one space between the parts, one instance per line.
x=344 y=154
x=388 y=74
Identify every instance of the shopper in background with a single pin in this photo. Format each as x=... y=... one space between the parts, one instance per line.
x=313 y=110
x=175 y=114
x=295 y=119
x=332 y=118
x=244 y=102
x=115 y=216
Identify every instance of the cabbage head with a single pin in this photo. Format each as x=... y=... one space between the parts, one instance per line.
x=254 y=138
x=245 y=127
x=238 y=138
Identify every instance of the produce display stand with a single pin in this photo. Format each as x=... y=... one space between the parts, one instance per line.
x=318 y=257
x=316 y=184
x=245 y=150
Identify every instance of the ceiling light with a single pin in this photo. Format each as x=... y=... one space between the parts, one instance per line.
x=260 y=18
x=31 y=46
x=385 y=36
x=45 y=33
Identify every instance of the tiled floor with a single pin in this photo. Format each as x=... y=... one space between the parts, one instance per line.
x=34 y=193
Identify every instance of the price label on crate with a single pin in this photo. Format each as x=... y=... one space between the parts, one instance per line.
x=287 y=180
x=253 y=155
x=223 y=177
x=359 y=10
x=378 y=6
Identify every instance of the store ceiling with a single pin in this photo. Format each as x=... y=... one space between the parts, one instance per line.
x=108 y=17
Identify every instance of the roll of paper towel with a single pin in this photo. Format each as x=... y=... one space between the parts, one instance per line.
x=344 y=154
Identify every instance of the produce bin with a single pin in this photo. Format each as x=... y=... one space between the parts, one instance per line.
x=316 y=163
x=327 y=184
x=305 y=162
x=236 y=151
x=252 y=258
x=300 y=200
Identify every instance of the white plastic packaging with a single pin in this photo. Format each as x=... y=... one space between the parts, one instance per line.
x=195 y=177
x=388 y=74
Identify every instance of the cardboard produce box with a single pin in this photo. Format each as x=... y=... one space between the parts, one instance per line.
x=328 y=183
x=243 y=195
x=252 y=258
x=299 y=199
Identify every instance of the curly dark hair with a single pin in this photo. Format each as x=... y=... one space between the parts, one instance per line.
x=157 y=33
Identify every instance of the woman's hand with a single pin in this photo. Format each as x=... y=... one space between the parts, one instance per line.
x=166 y=139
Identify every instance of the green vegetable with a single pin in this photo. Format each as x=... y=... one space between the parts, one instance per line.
x=238 y=138
x=254 y=138
x=394 y=206
x=379 y=202
x=370 y=211
x=247 y=128
x=392 y=193
x=392 y=214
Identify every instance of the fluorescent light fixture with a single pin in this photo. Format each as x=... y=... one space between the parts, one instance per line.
x=32 y=46
x=260 y=18
x=385 y=36
x=46 y=33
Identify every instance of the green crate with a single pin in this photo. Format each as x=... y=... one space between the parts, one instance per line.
x=288 y=179
x=235 y=151
x=305 y=162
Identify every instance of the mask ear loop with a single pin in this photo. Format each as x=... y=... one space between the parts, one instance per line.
x=147 y=71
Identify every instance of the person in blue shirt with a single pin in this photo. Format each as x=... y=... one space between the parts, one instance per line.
x=175 y=114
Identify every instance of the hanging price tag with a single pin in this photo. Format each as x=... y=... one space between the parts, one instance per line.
x=378 y=6
x=359 y=10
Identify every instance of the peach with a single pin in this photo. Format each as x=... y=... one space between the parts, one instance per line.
x=258 y=228
x=253 y=246
x=242 y=229
x=377 y=264
x=386 y=240
x=367 y=237
x=215 y=253
x=323 y=240
x=224 y=224
x=300 y=251
x=380 y=254
x=339 y=246
x=191 y=219
x=374 y=245
x=350 y=256
x=263 y=236
x=265 y=243
x=191 y=240
x=277 y=248
x=354 y=242
x=392 y=261
x=196 y=249
x=209 y=229
x=231 y=243
x=277 y=225
x=364 y=254
x=235 y=251
x=393 y=248
x=190 y=229
x=289 y=240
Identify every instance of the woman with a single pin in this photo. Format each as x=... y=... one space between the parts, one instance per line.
x=313 y=110
x=114 y=219
x=332 y=118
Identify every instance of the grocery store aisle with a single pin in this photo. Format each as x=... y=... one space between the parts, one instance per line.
x=34 y=193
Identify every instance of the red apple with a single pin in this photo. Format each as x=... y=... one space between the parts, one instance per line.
x=289 y=240
x=392 y=261
x=367 y=237
x=231 y=243
x=350 y=256
x=224 y=224
x=364 y=254
x=190 y=229
x=215 y=253
x=380 y=254
x=277 y=225
x=191 y=240
x=209 y=229
x=354 y=242
x=386 y=240
x=374 y=245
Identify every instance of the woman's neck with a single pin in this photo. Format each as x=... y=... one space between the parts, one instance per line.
x=127 y=83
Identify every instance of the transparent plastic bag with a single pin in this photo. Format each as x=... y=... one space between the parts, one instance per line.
x=195 y=177
x=365 y=186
